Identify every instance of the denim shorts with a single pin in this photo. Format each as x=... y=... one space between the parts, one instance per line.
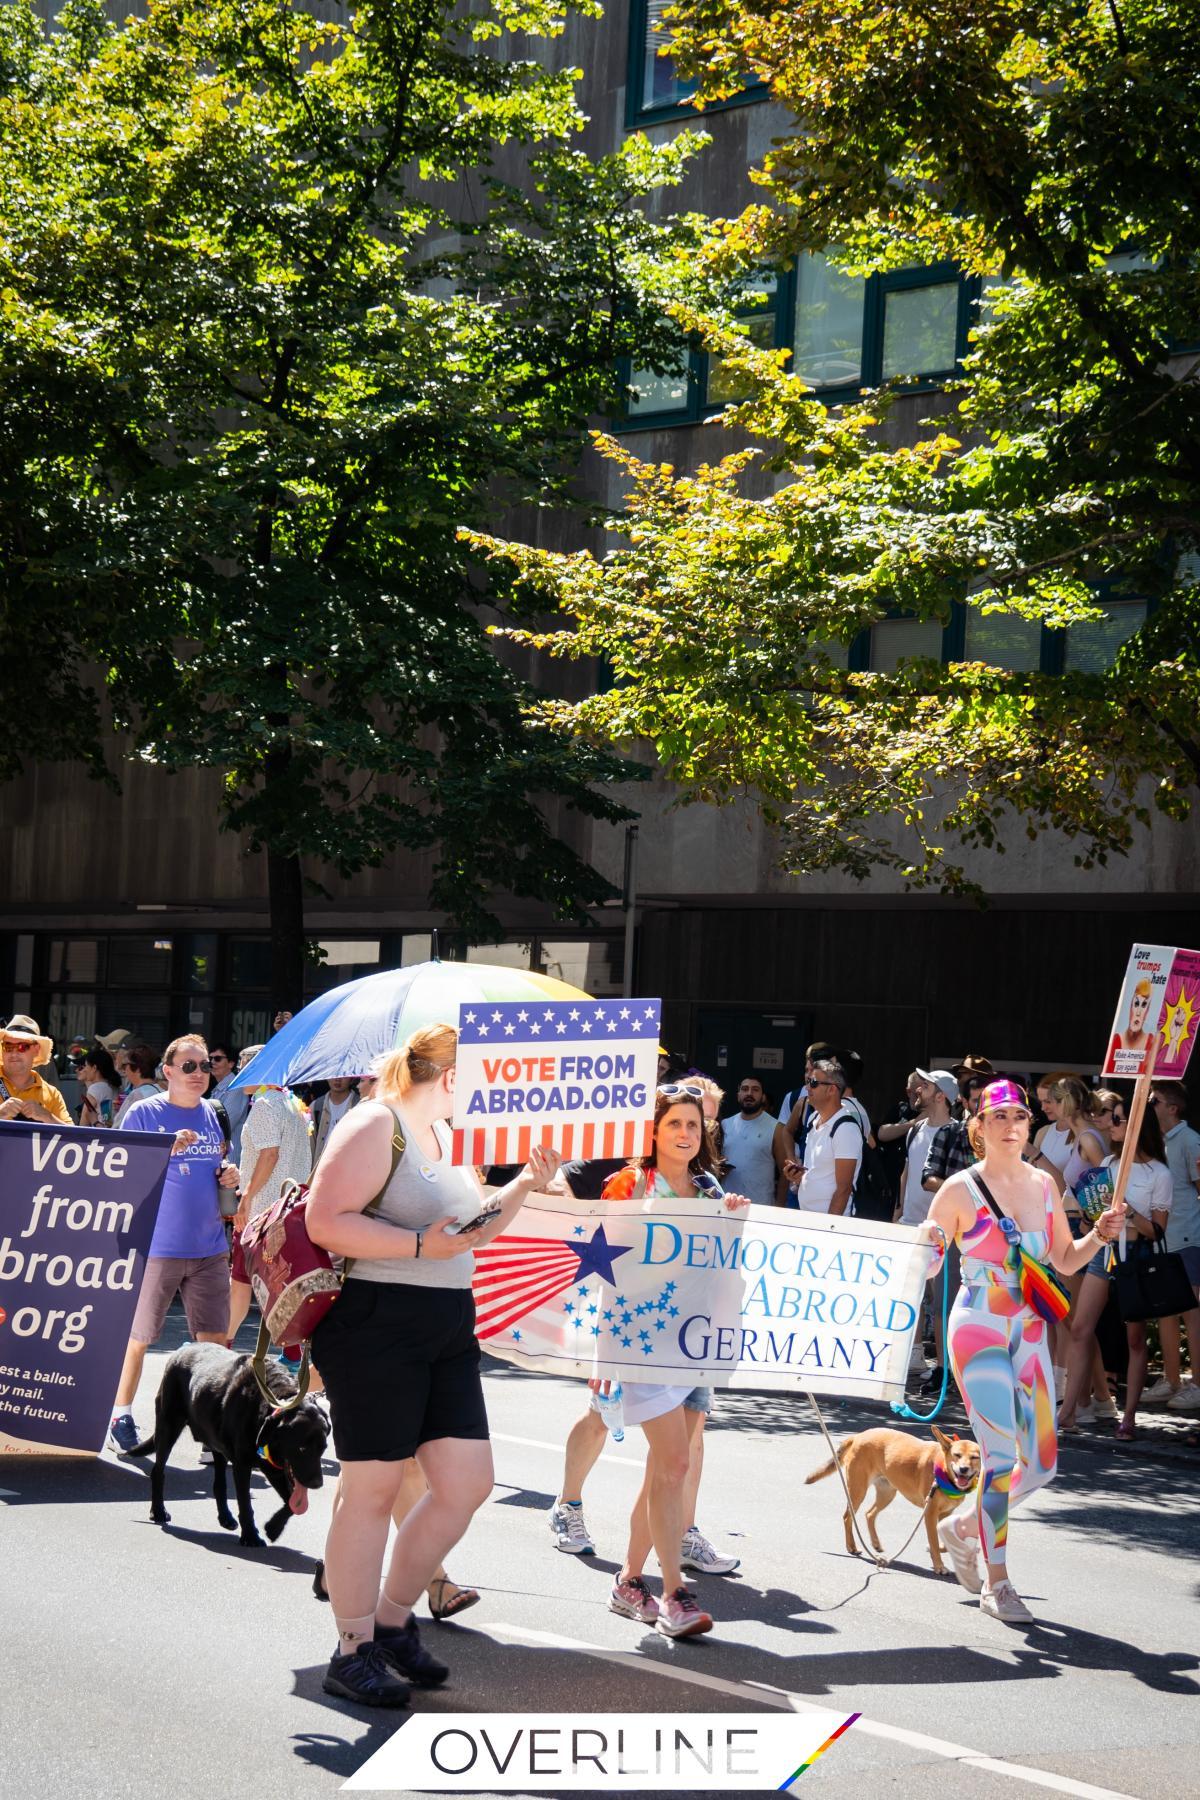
x=1191 y=1262
x=699 y=1400
x=1097 y=1266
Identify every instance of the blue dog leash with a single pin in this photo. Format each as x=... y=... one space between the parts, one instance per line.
x=901 y=1408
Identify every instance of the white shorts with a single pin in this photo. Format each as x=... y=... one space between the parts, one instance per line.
x=641 y=1401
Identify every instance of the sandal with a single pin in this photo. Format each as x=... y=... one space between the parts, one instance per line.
x=320 y=1591
x=1126 y=1432
x=458 y=1602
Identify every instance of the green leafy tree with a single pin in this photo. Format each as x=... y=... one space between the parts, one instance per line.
x=283 y=303
x=1050 y=150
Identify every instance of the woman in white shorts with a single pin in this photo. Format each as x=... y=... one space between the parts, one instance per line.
x=679 y=1167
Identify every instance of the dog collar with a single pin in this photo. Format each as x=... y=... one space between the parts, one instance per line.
x=943 y=1479
x=266 y=1456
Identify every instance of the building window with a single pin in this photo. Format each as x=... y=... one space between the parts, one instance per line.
x=667 y=399
x=918 y=334
x=140 y=962
x=763 y=317
x=827 y=331
x=652 y=67
x=1092 y=648
x=894 y=639
x=1002 y=640
x=654 y=90
x=74 y=962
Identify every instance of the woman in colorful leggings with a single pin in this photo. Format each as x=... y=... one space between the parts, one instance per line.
x=999 y=1345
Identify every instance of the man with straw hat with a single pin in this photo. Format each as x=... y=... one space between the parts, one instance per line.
x=23 y=1094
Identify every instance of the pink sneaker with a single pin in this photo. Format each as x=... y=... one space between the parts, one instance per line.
x=680 y=1616
x=633 y=1600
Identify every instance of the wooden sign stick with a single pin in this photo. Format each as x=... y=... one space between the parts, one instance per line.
x=1137 y=1107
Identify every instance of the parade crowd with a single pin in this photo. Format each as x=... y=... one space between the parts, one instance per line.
x=998 y=1170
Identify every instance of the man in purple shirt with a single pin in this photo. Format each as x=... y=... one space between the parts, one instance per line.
x=188 y=1255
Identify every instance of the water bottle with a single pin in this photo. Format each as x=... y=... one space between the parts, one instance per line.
x=613 y=1413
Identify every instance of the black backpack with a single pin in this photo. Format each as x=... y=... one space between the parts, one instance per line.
x=872 y=1196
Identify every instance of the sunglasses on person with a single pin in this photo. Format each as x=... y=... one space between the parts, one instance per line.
x=191 y=1065
x=673 y=1090
x=18 y=1044
x=1119 y=1119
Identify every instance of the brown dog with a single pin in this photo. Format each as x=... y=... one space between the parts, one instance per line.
x=894 y=1463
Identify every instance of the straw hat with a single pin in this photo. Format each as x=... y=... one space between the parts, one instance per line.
x=30 y=1032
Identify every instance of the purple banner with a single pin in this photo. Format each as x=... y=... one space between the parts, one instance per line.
x=77 y=1212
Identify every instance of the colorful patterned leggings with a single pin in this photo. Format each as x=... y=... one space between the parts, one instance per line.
x=1000 y=1353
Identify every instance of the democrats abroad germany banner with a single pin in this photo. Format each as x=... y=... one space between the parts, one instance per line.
x=681 y=1291
x=77 y=1211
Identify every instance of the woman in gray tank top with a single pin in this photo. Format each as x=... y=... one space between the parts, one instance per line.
x=399 y=1357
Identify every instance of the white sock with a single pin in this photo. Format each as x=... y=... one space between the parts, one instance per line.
x=122 y=1412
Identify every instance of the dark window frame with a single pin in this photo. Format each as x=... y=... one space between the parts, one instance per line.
x=637 y=113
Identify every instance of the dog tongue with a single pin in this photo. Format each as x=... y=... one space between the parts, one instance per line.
x=298 y=1498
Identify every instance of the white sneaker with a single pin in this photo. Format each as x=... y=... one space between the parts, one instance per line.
x=1105 y=1407
x=1185 y=1399
x=1160 y=1393
x=698 y=1553
x=1086 y=1415
x=1003 y=1602
x=570 y=1532
x=964 y=1556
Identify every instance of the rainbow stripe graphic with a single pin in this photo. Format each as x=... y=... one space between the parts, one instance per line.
x=831 y=1739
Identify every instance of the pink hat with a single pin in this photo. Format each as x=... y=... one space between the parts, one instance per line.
x=1002 y=1093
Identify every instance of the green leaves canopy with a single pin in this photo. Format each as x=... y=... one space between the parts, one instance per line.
x=283 y=303
x=1052 y=152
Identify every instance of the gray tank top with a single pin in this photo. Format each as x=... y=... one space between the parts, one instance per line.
x=418 y=1195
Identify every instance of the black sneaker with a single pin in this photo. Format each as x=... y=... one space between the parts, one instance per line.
x=366 y=1676
x=402 y=1646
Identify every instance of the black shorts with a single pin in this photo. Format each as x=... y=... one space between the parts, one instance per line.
x=401 y=1367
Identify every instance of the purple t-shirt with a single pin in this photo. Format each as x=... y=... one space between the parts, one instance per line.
x=189 y=1218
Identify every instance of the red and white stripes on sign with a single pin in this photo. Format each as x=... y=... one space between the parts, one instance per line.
x=578 y=1143
x=514 y=1275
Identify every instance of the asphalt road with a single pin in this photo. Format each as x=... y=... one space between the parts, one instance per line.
x=172 y=1664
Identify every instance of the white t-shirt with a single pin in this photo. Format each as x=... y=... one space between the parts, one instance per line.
x=275 y=1121
x=840 y=1139
x=748 y=1151
x=98 y=1092
x=1056 y=1146
x=1148 y=1189
x=916 y=1201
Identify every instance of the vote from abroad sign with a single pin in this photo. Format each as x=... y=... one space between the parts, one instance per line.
x=683 y=1292
x=577 y=1075
x=76 y=1220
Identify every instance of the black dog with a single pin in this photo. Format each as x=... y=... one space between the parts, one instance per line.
x=213 y=1391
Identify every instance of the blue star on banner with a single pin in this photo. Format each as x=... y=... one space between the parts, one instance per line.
x=511 y=1023
x=597 y=1257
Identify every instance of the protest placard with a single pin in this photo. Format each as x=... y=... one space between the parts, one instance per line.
x=682 y=1291
x=577 y=1075
x=1160 y=998
x=78 y=1214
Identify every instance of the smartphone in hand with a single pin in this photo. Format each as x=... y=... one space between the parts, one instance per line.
x=490 y=1212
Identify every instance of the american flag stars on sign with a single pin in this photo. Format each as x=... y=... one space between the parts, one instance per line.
x=575 y=1021
x=575 y=1074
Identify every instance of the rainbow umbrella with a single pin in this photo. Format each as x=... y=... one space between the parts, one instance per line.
x=344 y=1031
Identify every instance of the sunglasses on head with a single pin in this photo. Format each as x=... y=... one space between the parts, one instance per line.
x=191 y=1065
x=672 y=1090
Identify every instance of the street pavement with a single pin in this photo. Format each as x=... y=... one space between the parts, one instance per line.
x=175 y=1665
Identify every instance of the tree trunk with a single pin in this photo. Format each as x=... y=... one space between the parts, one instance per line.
x=285 y=887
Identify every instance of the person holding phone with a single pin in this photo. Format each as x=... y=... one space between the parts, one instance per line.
x=399 y=1357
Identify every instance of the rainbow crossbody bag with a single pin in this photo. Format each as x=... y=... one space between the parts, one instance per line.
x=1041 y=1289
